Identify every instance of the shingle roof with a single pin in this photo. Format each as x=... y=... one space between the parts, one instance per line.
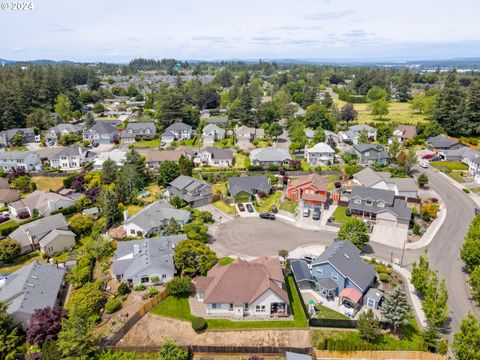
x=52 y=235
x=38 y=228
x=300 y=271
x=408 y=131
x=212 y=127
x=309 y=180
x=103 y=127
x=70 y=151
x=375 y=294
x=177 y=126
x=13 y=155
x=358 y=128
x=4 y=183
x=159 y=156
x=368 y=177
x=366 y=193
x=321 y=147
x=441 y=141
x=270 y=154
x=248 y=184
x=154 y=214
x=294 y=356
x=219 y=153
x=40 y=200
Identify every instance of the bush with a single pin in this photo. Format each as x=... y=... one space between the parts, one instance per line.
x=123 y=289
x=199 y=324
x=113 y=305
x=139 y=287
x=23 y=215
x=383 y=277
x=178 y=285
x=348 y=212
x=254 y=168
x=9 y=250
x=466 y=191
x=416 y=229
x=152 y=292
x=8 y=228
x=154 y=279
x=274 y=209
x=443 y=347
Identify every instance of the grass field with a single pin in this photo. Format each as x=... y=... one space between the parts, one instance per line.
x=457 y=176
x=290 y=206
x=155 y=143
x=266 y=203
x=220 y=188
x=7 y=224
x=179 y=308
x=133 y=209
x=325 y=313
x=224 y=207
x=449 y=165
x=339 y=214
x=241 y=161
x=46 y=183
x=20 y=261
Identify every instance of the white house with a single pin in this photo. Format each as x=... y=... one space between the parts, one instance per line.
x=270 y=157
x=320 y=154
x=57 y=241
x=53 y=134
x=70 y=158
x=212 y=132
x=42 y=201
x=474 y=169
x=19 y=159
x=215 y=157
x=176 y=132
x=117 y=155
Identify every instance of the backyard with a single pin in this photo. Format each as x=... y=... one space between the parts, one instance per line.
x=323 y=312
x=46 y=183
x=20 y=261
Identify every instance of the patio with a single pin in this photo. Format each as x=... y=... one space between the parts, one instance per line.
x=334 y=305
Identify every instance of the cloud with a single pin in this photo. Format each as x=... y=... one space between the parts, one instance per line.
x=18 y=49
x=55 y=28
x=297 y=28
x=217 y=39
x=329 y=15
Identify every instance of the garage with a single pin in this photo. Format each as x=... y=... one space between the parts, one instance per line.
x=387 y=218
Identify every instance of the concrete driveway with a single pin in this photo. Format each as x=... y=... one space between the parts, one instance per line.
x=246 y=213
x=389 y=235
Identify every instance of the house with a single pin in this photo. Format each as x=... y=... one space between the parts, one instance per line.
x=371 y=131
x=138 y=131
x=464 y=154
x=369 y=154
x=219 y=121
x=216 y=157
x=33 y=286
x=101 y=133
x=442 y=142
x=117 y=155
x=138 y=261
x=30 y=234
x=380 y=205
x=8 y=196
x=349 y=137
x=71 y=158
x=243 y=188
x=154 y=158
x=405 y=187
x=93 y=211
x=474 y=169
x=270 y=157
x=19 y=159
x=193 y=191
x=53 y=134
x=404 y=132
x=339 y=270
x=372 y=298
x=246 y=136
x=212 y=133
x=153 y=218
x=311 y=189
x=57 y=241
x=309 y=133
x=320 y=154
x=176 y=132
x=27 y=135
x=331 y=137
x=42 y=201
x=244 y=288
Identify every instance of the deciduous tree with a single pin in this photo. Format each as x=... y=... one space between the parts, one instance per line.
x=466 y=342
x=45 y=324
x=355 y=231
x=193 y=257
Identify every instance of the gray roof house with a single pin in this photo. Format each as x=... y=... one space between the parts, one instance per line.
x=28 y=160
x=138 y=131
x=71 y=158
x=44 y=202
x=270 y=157
x=406 y=187
x=213 y=156
x=101 y=133
x=442 y=142
x=177 y=131
x=53 y=134
x=33 y=286
x=212 y=133
x=30 y=234
x=6 y=136
x=370 y=153
x=371 y=131
x=242 y=188
x=137 y=261
x=153 y=218
x=193 y=191
x=222 y=121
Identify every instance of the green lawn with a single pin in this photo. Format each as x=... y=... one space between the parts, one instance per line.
x=340 y=214
x=133 y=209
x=220 y=188
x=20 y=261
x=290 y=206
x=221 y=205
x=449 y=165
x=267 y=202
x=179 y=308
x=225 y=261
x=457 y=176
x=241 y=161
x=225 y=143
x=326 y=313
x=475 y=190
x=7 y=224
x=155 y=143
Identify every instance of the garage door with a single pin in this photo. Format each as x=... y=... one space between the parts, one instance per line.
x=387 y=222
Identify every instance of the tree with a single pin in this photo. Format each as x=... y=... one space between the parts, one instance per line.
x=40 y=119
x=137 y=161
x=193 y=257
x=171 y=351
x=422 y=180
x=88 y=300
x=109 y=171
x=179 y=285
x=283 y=254
x=63 y=107
x=10 y=336
x=435 y=302
x=110 y=208
x=81 y=224
x=45 y=324
x=450 y=106
x=98 y=108
x=172 y=228
x=100 y=247
x=395 y=309
x=421 y=275
x=363 y=137
x=317 y=116
x=394 y=148
x=472 y=110
x=348 y=113
x=9 y=250
x=355 y=231
x=185 y=165
x=196 y=231
x=470 y=252
x=319 y=136
x=379 y=108
x=89 y=120
x=474 y=282
x=129 y=184
x=403 y=87
x=273 y=131
x=22 y=183
x=376 y=93
x=430 y=336
x=466 y=342
x=17 y=139
x=76 y=340
x=167 y=172
x=368 y=326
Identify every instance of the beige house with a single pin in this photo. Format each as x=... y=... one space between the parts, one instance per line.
x=57 y=241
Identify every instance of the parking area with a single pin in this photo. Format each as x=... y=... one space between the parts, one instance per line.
x=308 y=222
x=248 y=210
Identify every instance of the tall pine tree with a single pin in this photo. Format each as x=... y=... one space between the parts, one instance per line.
x=450 y=105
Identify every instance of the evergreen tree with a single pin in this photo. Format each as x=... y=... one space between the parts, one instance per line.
x=75 y=340
x=368 y=326
x=89 y=120
x=173 y=227
x=109 y=171
x=403 y=87
x=450 y=106
x=134 y=158
x=394 y=148
x=472 y=110
x=110 y=208
x=167 y=172
x=466 y=342
x=430 y=336
x=363 y=137
x=395 y=309
x=319 y=136
x=10 y=336
x=63 y=107
x=185 y=165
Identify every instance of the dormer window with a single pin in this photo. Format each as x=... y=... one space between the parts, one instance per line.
x=357 y=201
x=381 y=204
x=369 y=202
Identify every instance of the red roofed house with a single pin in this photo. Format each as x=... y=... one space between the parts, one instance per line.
x=255 y=288
x=310 y=189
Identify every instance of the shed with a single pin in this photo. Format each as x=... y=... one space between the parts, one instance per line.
x=372 y=298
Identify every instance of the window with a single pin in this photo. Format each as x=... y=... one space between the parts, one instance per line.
x=260 y=308
x=230 y=307
x=246 y=306
x=380 y=204
x=144 y=279
x=334 y=276
x=215 y=306
x=357 y=201
x=132 y=231
x=369 y=202
x=164 y=276
x=319 y=271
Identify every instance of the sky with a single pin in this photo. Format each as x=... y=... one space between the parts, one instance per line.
x=120 y=30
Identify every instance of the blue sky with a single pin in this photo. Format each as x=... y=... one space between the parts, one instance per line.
x=108 y=30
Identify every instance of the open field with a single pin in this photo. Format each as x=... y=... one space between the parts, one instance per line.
x=46 y=183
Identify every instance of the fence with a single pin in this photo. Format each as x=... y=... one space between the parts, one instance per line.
x=377 y=355
x=333 y=323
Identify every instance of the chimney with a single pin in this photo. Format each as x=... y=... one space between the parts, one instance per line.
x=126 y=215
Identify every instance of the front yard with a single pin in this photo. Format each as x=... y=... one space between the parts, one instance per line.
x=449 y=165
x=340 y=214
x=290 y=206
x=223 y=206
x=266 y=203
x=155 y=143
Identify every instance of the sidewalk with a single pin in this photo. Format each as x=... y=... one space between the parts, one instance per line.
x=471 y=195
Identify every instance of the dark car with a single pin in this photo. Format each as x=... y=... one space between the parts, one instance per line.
x=241 y=207
x=4 y=219
x=267 y=216
x=250 y=208
x=316 y=214
x=436 y=158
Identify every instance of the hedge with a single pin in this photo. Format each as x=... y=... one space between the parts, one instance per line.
x=9 y=228
x=67 y=211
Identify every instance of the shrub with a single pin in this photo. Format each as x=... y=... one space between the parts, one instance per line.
x=338 y=184
x=152 y=292
x=8 y=228
x=139 y=287
x=274 y=209
x=113 y=305
x=466 y=191
x=154 y=279
x=348 y=212
x=23 y=215
x=383 y=277
x=416 y=229
x=123 y=289
x=9 y=250
x=199 y=324
x=442 y=347
x=178 y=285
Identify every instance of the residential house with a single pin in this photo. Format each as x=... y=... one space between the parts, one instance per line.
x=57 y=241
x=311 y=189
x=215 y=157
x=309 y=133
x=442 y=142
x=320 y=154
x=244 y=188
x=101 y=133
x=405 y=187
x=27 y=134
x=212 y=133
x=33 y=286
x=371 y=131
x=138 y=261
x=369 y=154
x=117 y=155
x=42 y=201
x=380 y=205
x=53 y=134
x=71 y=158
x=244 y=288
x=474 y=169
x=246 y=136
x=464 y=154
x=176 y=132
x=193 y=191
x=270 y=157
x=220 y=121
x=404 y=132
x=27 y=160
x=138 y=131
x=331 y=137
x=30 y=234
x=153 y=218
x=154 y=158
x=349 y=137
x=8 y=196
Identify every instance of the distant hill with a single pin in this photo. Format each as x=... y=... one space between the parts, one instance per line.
x=36 y=62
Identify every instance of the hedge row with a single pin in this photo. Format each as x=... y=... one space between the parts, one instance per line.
x=9 y=228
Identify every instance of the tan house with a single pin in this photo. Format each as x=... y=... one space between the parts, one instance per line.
x=8 y=196
x=44 y=202
x=57 y=241
x=154 y=158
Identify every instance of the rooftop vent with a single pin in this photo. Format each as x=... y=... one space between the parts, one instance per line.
x=136 y=249
x=347 y=256
x=31 y=285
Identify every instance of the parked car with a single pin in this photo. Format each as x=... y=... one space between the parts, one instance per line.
x=423 y=164
x=241 y=207
x=250 y=208
x=316 y=214
x=4 y=219
x=306 y=212
x=309 y=258
x=267 y=216
x=436 y=158
x=427 y=156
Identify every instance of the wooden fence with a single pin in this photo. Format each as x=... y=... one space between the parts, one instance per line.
x=377 y=355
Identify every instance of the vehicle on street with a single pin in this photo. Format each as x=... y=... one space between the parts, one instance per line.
x=241 y=207
x=424 y=165
x=436 y=158
x=316 y=214
x=250 y=208
x=427 y=156
x=306 y=212
x=268 y=216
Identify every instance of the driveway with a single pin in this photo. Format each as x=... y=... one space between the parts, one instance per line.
x=283 y=141
x=389 y=235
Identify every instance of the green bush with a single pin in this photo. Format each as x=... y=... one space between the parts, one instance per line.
x=123 y=288
x=254 y=168
x=199 y=324
x=178 y=285
x=154 y=279
x=112 y=305
x=67 y=211
x=7 y=229
x=383 y=277
x=139 y=287
x=152 y=292
x=443 y=347
x=466 y=191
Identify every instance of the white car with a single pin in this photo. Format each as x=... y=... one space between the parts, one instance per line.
x=424 y=164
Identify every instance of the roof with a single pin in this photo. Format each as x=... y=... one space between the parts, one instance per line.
x=351 y=294
x=270 y=154
x=378 y=150
x=69 y=128
x=33 y=286
x=294 y=356
x=300 y=271
x=368 y=177
x=249 y=184
x=159 y=156
x=132 y=257
x=344 y=256
x=359 y=128
x=177 y=126
x=408 y=131
x=38 y=228
x=375 y=294
x=40 y=200
x=91 y=211
x=9 y=195
x=102 y=127
x=327 y=284
x=70 y=151
x=309 y=133
x=441 y=141
x=313 y=179
x=367 y=193
x=152 y=215
x=212 y=127
x=219 y=153
x=321 y=147
x=52 y=235
x=135 y=126
x=217 y=120
x=405 y=184
x=242 y=281
x=189 y=189
x=13 y=155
